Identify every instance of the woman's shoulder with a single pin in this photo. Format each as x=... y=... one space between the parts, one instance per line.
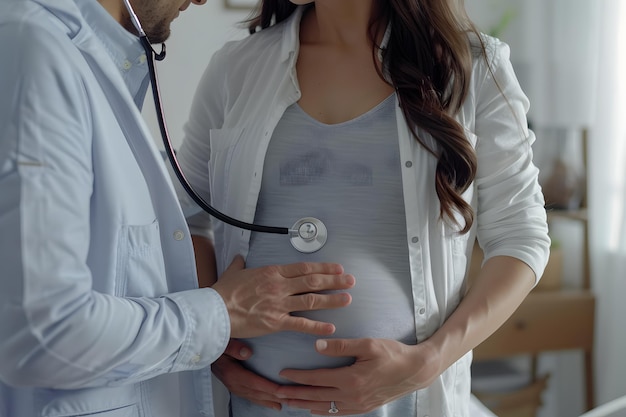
x=487 y=51
x=247 y=68
x=260 y=45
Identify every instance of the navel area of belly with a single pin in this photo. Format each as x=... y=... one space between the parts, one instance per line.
x=288 y=350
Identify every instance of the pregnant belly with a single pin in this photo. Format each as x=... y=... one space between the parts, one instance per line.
x=364 y=318
x=288 y=350
x=382 y=304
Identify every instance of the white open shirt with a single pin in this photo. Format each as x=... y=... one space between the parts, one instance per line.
x=242 y=96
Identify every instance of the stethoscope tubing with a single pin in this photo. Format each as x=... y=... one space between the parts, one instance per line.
x=307 y=235
x=171 y=153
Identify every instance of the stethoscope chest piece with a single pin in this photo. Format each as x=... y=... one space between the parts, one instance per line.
x=308 y=235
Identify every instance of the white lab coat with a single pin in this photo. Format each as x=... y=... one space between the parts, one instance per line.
x=99 y=311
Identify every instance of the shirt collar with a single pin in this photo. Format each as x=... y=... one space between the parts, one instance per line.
x=123 y=47
x=291 y=33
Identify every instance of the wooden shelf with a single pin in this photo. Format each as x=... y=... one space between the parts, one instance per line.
x=545 y=321
x=581 y=215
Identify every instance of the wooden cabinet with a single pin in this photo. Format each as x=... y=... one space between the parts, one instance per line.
x=546 y=321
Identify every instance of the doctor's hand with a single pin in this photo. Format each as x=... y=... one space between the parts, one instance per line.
x=242 y=382
x=384 y=370
x=260 y=300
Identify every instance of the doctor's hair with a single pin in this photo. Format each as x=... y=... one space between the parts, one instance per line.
x=428 y=60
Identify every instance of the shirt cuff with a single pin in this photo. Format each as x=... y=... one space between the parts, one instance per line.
x=208 y=325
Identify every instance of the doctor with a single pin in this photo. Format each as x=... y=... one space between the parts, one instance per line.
x=100 y=311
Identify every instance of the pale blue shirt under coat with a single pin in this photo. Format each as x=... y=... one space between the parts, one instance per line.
x=243 y=95
x=99 y=306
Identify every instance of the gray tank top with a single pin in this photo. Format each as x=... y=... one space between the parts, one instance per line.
x=347 y=175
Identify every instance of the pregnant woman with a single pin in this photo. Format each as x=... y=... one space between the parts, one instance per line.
x=404 y=130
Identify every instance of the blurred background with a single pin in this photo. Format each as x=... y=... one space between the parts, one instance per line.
x=563 y=352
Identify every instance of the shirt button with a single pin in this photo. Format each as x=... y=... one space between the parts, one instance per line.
x=415 y=239
x=422 y=311
x=408 y=164
x=179 y=235
x=142 y=59
x=127 y=65
x=195 y=359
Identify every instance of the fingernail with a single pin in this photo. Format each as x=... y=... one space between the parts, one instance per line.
x=321 y=344
x=245 y=352
x=349 y=279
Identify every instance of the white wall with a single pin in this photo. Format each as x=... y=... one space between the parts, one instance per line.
x=551 y=42
x=196 y=35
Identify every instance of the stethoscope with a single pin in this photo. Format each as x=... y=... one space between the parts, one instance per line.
x=307 y=235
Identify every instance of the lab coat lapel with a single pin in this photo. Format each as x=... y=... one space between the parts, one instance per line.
x=140 y=141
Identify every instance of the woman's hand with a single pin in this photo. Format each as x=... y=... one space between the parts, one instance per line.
x=384 y=370
x=242 y=382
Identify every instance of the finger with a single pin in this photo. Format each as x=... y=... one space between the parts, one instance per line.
x=267 y=404
x=294 y=393
x=308 y=326
x=308 y=268
x=238 y=350
x=314 y=301
x=323 y=407
x=254 y=395
x=360 y=348
x=243 y=382
x=342 y=412
x=320 y=282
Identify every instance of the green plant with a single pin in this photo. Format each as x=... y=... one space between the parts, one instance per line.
x=505 y=20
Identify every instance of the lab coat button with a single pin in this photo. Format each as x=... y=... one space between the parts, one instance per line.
x=415 y=239
x=195 y=359
x=408 y=164
x=422 y=310
x=179 y=235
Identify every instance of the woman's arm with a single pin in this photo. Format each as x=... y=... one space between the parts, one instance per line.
x=501 y=286
x=205 y=260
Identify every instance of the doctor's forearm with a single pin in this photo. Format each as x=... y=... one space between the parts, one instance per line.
x=502 y=285
x=205 y=260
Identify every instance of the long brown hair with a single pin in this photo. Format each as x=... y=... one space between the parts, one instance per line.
x=428 y=60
